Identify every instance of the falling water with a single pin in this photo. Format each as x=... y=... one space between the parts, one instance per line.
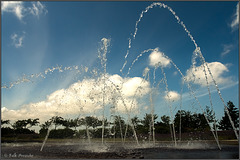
x=140 y=55
x=46 y=137
x=170 y=104
x=180 y=124
x=219 y=93
x=152 y=120
x=29 y=78
x=197 y=50
x=189 y=86
x=192 y=92
x=127 y=111
x=88 y=135
x=103 y=58
x=141 y=16
x=210 y=97
x=151 y=125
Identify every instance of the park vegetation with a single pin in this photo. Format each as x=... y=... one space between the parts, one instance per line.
x=187 y=125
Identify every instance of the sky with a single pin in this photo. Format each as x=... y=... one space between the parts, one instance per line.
x=72 y=58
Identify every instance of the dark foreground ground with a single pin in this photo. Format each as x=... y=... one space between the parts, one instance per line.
x=161 y=150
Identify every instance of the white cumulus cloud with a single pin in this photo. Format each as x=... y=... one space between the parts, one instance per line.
x=197 y=75
x=157 y=57
x=172 y=96
x=86 y=97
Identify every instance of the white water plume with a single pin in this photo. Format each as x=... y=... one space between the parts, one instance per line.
x=33 y=77
x=140 y=18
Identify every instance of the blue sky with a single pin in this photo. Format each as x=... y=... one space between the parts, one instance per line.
x=41 y=35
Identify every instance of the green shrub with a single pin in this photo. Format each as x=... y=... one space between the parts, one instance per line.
x=7 y=132
x=61 y=133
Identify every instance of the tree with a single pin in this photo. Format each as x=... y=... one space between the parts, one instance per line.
x=148 y=119
x=147 y=123
x=93 y=122
x=119 y=126
x=210 y=114
x=193 y=122
x=19 y=124
x=6 y=131
x=44 y=128
x=26 y=123
x=67 y=123
x=225 y=123
x=46 y=125
x=165 y=119
x=135 y=121
x=56 y=120
x=62 y=133
x=200 y=123
x=32 y=122
x=5 y=122
x=163 y=127
x=74 y=123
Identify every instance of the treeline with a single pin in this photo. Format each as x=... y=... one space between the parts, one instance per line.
x=184 y=122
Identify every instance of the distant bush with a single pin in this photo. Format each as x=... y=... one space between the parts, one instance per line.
x=7 y=132
x=43 y=132
x=23 y=131
x=61 y=133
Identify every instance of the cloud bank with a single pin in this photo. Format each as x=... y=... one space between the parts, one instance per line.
x=172 y=96
x=86 y=97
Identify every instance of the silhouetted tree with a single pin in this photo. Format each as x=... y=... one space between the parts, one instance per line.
x=46 y=125
x=135 y=121
x=165 y=119
x=57 y=121
x=5 y=122
x=147 y=123
x=44 y=128
x=93 y=121
x=119 y=126
x=148 y=119
x=224 y=123
x=19 y=124
x=210 y=114
x=6 y=131
x=74 y=123
x=164 y=126
x=32 y=122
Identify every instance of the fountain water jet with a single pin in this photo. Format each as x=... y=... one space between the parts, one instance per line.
x=29 y=78
x=219 y=93
x=197 y=50
x=103 y=59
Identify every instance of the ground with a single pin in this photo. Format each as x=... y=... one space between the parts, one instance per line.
x=95 y=150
